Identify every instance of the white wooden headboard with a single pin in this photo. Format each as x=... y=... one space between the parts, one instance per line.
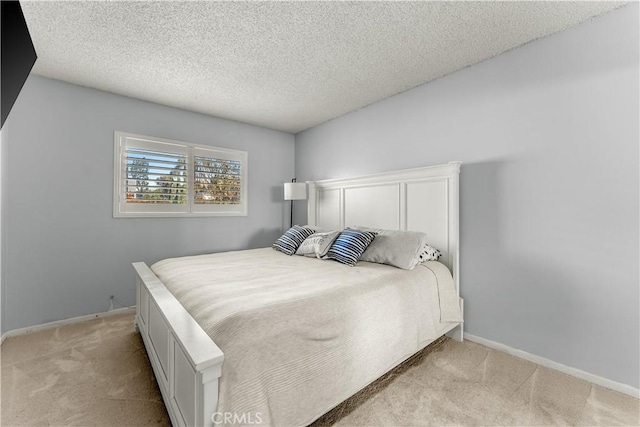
x=421 y=199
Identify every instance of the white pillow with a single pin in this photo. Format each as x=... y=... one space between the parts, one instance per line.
x=429 y=253
x=318 y=244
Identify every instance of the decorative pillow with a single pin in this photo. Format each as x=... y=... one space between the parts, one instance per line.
x=349 y=246
x=318 y=244
x=429 y=253
x=398 y=248
x=288 y=243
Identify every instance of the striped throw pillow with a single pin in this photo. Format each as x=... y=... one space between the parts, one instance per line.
x=350 y=245
x=288 y=243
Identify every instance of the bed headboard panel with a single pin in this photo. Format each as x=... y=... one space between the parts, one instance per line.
x=422 y=199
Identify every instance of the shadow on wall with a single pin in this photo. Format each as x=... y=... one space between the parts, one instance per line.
x=277 y=193
x=277 y=196
x=504 y=288
x=264 y=238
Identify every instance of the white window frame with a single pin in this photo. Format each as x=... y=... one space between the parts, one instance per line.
x=123 y=210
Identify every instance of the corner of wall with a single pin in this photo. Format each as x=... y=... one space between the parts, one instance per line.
x=3 y=133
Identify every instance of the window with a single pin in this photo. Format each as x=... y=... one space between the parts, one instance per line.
x=159 y=177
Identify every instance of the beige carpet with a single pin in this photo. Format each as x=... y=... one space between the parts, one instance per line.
x=96 y=374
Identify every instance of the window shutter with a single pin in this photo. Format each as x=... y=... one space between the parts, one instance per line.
x=157 y=177
x=219 y=178
x=217 y=181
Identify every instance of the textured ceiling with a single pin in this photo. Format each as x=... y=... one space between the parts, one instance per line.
x=282 y=65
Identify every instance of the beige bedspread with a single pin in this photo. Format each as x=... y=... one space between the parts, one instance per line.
x=300 y=334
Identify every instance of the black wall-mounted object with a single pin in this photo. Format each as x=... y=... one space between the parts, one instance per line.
x=17 y=54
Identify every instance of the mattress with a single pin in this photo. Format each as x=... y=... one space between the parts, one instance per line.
x=299 y=334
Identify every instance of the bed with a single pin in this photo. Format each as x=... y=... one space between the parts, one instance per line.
x=300 y=334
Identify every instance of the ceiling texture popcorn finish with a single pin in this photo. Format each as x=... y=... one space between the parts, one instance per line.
x=282 y=65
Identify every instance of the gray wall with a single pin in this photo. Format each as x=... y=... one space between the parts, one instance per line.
x=549 y=188
x=64 y=253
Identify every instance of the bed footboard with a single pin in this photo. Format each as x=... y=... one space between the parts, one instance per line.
x=185 y=360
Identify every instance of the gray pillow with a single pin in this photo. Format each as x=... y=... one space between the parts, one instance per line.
x=400 y=249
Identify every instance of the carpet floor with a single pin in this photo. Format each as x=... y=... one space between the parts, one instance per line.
x=96 y=373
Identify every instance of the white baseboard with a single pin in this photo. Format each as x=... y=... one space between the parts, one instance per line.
x=604 y=382
x=57 y=323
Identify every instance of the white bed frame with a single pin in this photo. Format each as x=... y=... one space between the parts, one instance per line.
x=187 y=363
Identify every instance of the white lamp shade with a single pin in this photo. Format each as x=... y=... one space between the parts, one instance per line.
x=295 y=191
